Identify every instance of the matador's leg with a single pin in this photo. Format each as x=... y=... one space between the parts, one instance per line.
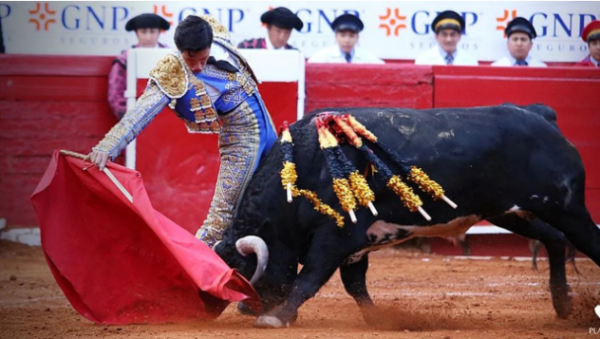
x=239 y=146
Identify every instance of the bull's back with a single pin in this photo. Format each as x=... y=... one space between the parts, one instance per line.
x=472 y=152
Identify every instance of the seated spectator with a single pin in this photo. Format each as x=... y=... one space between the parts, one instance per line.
x=147 y=29
x=347 y=28
x=519 y=40
x=448 y=27
x=280 y=22
x=591 y=35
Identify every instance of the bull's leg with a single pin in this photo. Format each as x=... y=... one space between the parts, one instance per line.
x=354 y=279
x=578 y=227
x=555 y=243
x=326 y=254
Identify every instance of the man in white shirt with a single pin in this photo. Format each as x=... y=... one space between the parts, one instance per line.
x=519 y=41
x=347 y=28
x=448 y=27
x=280 y=21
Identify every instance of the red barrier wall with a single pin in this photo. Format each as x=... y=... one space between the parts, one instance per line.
x=49 y=102
x=354 y=85
x=46 y=103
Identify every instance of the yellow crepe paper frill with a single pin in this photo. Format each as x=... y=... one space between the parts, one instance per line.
x=409 y=198
x=342 y=189
x=320 y=206
x=361 y=189
x=425 y=183
x=288 y=174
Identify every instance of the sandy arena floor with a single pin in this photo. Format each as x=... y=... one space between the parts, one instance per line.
x=419 y=296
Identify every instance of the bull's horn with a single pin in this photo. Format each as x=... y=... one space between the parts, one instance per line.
x=253 y=244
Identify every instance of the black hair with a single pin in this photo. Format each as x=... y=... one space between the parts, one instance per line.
x=193 y=34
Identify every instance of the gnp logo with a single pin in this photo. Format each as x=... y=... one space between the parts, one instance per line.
x=42 y=18
x=319 y=20
x=505 y=19
x=560 y=25
x=420 y=21
x=227 y=16
x=555 y=25
x=392 y=24
x=164 y=13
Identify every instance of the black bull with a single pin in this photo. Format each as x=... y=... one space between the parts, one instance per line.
x=506 y=164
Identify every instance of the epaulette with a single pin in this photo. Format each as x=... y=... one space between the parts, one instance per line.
x=170 y=76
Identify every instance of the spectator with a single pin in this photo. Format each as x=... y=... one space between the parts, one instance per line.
x=519 y=40
x=147 y=28
x=347 y=28
x=448 y=27
x=280 y=22
x=591 y=35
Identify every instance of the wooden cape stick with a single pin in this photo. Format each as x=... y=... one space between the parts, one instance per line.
x=106 y=171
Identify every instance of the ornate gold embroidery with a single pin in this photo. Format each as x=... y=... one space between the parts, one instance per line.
x=194 y=104
x=248 y=88
x=210 y=113
x=219 y=31
x=169 y=74
x=199 y=86
x=215 y=125
x=199 y=116
x=205 y=101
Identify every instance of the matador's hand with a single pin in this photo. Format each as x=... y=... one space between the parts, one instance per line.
x=99 y=158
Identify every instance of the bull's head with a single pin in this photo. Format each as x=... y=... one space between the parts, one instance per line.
x=270 y=266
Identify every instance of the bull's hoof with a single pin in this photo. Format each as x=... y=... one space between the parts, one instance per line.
x=561 y=301
x=563 y=307
x=245 y=309
x=269 y=321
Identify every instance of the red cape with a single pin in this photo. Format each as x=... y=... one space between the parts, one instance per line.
x=119 y=262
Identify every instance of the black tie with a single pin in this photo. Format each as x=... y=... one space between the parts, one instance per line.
x=348 y=57
x=222 y=64
x=521 y=63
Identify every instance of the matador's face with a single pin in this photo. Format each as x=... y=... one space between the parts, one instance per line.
x=196 y=61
